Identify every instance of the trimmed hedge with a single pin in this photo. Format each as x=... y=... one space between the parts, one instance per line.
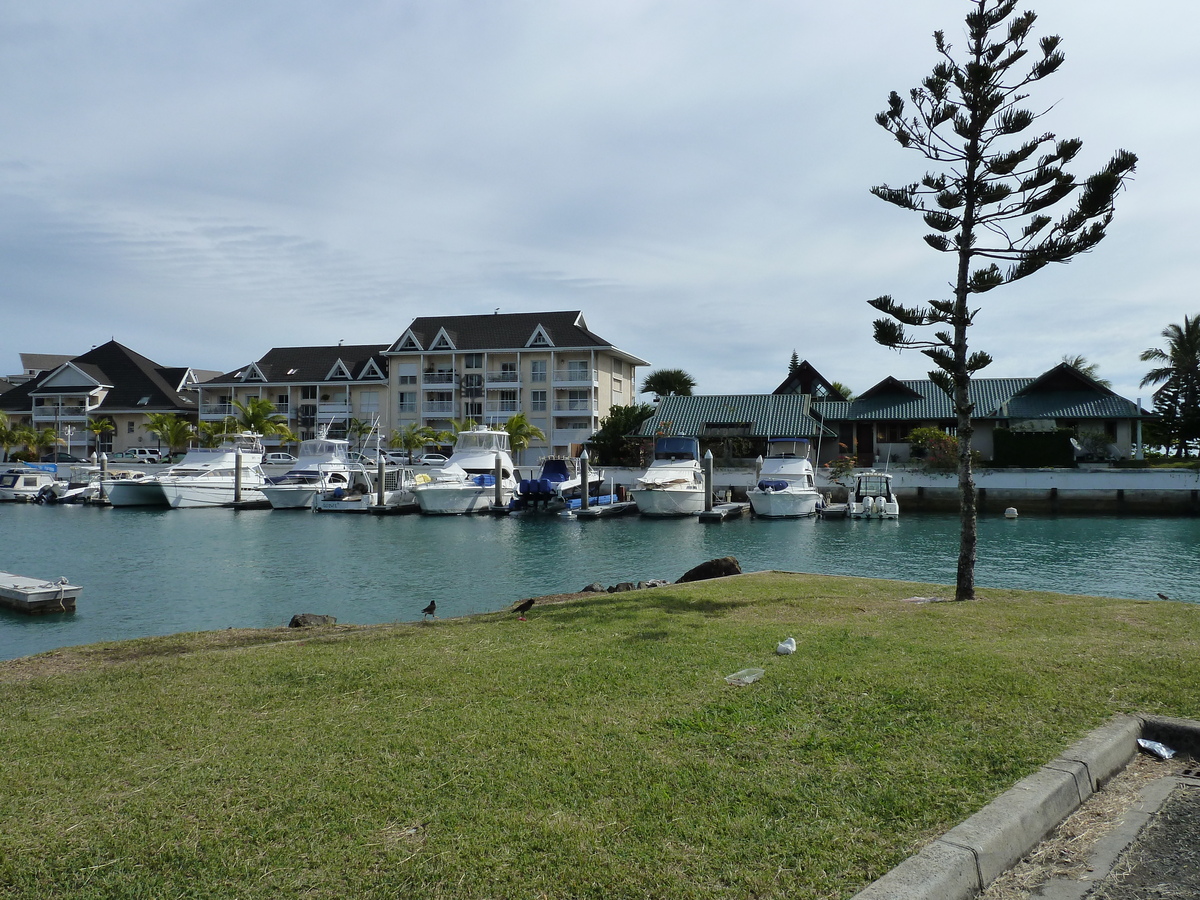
x=1032 y=449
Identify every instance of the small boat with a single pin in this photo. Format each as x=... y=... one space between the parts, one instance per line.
x=209 y=477
x=323 y=466
x=674 y=483
x=786 y=488
x=23 y=483
x=559 y=486
x=362 y=493
x=871 y=497
x=81 y=485
x=467 y=483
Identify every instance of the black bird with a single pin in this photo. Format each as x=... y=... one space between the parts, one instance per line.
x=1162 y=596
x=523 y=607
x=430 y=610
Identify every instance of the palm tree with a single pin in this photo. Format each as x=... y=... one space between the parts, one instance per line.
x=210 y=433
x=22 y=435
x=1178 y=400
x=44 y=441
x=842 y=389
x=8 y=435
x=1080 y=364
x=522 y=433
x=98 y=428
x=171 y=429
x=414 y=437
x=258 y=414
x=359 y=430
x=664 y=382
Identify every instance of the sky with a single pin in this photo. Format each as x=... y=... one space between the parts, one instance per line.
x=203 y=181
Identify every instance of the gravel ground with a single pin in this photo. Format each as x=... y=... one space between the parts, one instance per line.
x=1163 y=863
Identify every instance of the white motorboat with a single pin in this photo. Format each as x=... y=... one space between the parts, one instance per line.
x=786 y=487
x=467 y=483
x=674 y=483
x=324 y=465
x=23 y=483
x=210 y=476
x=871 y=497
x=362 y=493
x=559 y=486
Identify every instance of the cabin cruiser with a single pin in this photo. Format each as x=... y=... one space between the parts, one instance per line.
x=871 y=497
x=323 y=466
x=674 y=483
x=786 y=487
x=467 y=483
x=558 y=487
x=22 y=483
x=207 y=476
x=361 y=494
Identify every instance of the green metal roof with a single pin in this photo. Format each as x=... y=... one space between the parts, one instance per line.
x=761 y=416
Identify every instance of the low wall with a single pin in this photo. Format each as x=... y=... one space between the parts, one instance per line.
x=1094 y=490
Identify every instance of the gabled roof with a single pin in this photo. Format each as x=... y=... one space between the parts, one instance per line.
x=311 y=365
x=762 y=415
x=920 y=400
x=42 y=362
x=133 y=381
x=807 y=380
x=503 y=331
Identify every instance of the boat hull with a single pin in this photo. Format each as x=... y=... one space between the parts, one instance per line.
x=783 y=504
x=457 y=499
x=669 y=501
x=291 y=497
x=133 y=493
x=875 y=508
x=185 y=494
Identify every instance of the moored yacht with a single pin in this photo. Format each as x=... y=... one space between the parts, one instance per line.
x=871 y=497
x=467 y=483
x=674 y=483
x=323 y=466
x=23 y=482
x=362 y=493
x=786 y=488
x=210 y=476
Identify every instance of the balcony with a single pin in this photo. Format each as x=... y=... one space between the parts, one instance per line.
x=562 y=437
x=441 y=408
x=215 y=410
x=503 y=378
x=505 y=407
x=68 y=412
x=581 y=377
x=587 y=407
x=437 y=378
x=339 y=409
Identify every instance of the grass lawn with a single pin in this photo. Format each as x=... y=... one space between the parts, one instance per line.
x=594 y=750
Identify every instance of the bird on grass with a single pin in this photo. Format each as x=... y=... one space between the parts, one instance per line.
x=430 y=610
x=523 y=607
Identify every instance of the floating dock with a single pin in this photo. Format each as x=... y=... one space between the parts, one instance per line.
x=722 y=511
x=35 y=596
x=833 y=511
x=606 y=511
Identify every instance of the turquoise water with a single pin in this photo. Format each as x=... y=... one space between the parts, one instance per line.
x=151 y=572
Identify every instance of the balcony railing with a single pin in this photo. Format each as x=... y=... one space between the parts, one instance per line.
x=502 y=406
x=59 y=413
x=504 y=377
x=215 y=410
x=576 y=376
x=437 y=378
x=438 y=408
x=576 y=407
x=339 y=409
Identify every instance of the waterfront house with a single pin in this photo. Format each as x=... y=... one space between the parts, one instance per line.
x=108 y=382
x=488 y=368
x=331 y=386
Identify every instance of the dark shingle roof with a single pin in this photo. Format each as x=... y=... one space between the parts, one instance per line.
x=768 y=415
x=309 y=365
x=507 y=331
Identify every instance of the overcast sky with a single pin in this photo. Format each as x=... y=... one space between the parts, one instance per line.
x=206 y=180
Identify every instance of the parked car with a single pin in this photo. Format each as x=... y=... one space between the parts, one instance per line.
x=141 y=454
x=433 y=459
x=62 y=458
x=365 y=459
x=396 y=457
x=278 y=459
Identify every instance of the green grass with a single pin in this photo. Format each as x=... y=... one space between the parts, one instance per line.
x=594 y=750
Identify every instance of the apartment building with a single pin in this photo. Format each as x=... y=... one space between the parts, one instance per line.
x=547 y=365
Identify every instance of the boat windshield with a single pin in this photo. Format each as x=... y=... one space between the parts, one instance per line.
x=787 y=448
x=874 y=485
x=677 y=448
x=323 y=447
x=486 y=441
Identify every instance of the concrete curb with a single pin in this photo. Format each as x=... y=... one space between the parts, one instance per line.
x=968 y=857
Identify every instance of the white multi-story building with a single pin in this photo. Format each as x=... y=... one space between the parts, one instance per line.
x=546 y=365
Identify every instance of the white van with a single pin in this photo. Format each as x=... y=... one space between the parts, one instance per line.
x=143 y=454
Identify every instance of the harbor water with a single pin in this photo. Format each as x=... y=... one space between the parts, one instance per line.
x=154 y=572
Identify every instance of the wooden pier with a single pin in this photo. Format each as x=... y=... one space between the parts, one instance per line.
x=722 y=511
x=35 y=596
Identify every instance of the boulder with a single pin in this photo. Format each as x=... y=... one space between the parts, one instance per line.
x=622 y=587
x=714 y=568
x=594 y=588
x=307 y=620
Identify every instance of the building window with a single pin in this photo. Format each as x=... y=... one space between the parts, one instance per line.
x=537 y=370
x=407 y=402
x=307 y=392
x=509 y=401
x=537 y=400
x=617 y=385
x=129 y=427
x=473 y=361
x=407 y=373
x=577 y=370
x=368 y=402
x=579 y=400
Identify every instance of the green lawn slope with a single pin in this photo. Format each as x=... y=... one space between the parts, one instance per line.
x=594 y=750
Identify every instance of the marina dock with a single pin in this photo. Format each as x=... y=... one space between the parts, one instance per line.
x=722 y=511
x=36 y=596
